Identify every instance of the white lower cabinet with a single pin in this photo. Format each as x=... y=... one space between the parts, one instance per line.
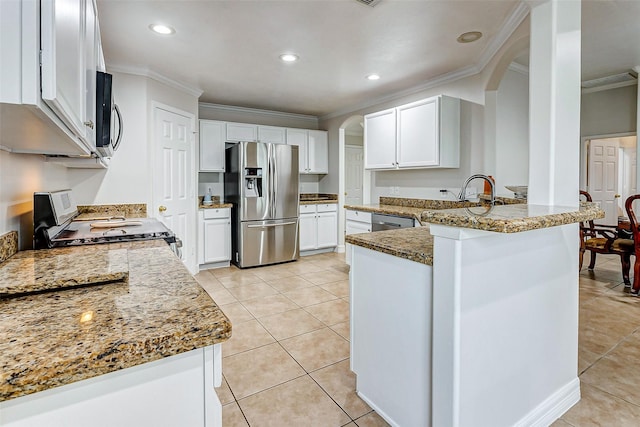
x=357 y=222
x=215 y=236
x=173 y=391
x=318 y=226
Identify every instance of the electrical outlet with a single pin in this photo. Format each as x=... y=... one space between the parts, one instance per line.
x=391 y=191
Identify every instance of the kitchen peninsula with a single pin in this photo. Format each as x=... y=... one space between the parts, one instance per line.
x=482 y=306
x=140 y=351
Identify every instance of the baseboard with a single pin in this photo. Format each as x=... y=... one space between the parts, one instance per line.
x=317 y=251
x=553 y=407
x=340 y=249
x=211 y=265
x=379 y=411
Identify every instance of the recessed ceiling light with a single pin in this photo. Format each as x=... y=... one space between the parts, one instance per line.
x=162 y=29
x=373 y=77
x=469 y=37
x=289 y=57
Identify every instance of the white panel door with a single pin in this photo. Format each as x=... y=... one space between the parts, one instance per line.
x=300 y=137
x=603 y=177
x=417 y=134
x=327 y=229
x=172 y=176
x=318 y=151
x=217 y=240
x=308 y=232
x=380 y=140
x=354 y=173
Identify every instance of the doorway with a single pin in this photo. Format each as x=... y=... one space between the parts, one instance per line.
x=173 y=177
x=351 y=171
x=609 y=173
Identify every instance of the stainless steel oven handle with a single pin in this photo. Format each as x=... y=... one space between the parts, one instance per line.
x=270 y=225
x=389 y=224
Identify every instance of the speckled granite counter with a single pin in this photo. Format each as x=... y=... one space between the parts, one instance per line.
x=414 y=244
x=128 y=210
x=513 y=218
x=33 y=271
x=317 y=198
x=405 y=211
x=215 y=203
x=60 y=337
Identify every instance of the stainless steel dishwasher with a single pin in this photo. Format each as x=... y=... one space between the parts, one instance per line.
x=380 y=222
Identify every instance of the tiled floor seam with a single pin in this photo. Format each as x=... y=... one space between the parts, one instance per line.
x=331 y=397
x=613 y=395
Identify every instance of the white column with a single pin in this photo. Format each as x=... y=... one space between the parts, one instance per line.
x=554 y=105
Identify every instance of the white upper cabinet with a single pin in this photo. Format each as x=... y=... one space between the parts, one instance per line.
x=380 y=140
x=237 y=132
x=48 y=104
x=422 y=134
x=318 y=151
x=273 y=134
x=69 y=63
x=313 y=149
x=212 y=139
x=300 y=137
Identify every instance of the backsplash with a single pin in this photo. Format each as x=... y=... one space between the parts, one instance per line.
x=8 y=245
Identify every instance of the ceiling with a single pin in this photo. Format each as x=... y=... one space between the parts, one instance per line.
x=230 y=48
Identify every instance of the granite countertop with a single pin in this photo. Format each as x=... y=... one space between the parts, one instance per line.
x=33 y=271
x=216 y=203
x=60 y=337
x=405 y=211
x=513 y=218
x=414 y=244
x=317 y=198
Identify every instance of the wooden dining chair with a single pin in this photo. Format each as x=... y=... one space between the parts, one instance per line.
x=604 y=239
x=633 y=223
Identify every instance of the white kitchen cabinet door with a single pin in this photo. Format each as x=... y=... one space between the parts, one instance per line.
x=300 y=137
x=212 y=139
x=380 y=140
x=242 y=132
x=418 y=134
x=327 y=229
x=275 y=135
x=308 y=233
x=217 y=240
x=318 y=152
x=63 y=61
x=91 y=50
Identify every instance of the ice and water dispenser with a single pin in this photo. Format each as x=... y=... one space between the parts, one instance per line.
x=253 y=182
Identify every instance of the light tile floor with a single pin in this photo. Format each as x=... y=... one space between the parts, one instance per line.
x=287 y=362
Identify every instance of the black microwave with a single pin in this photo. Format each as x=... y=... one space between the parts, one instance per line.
x=108 y=117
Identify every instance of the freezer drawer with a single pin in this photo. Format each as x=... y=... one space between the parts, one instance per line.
x=267 y=242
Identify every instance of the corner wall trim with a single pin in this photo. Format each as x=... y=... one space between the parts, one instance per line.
x=146 y=72
x=233 y=108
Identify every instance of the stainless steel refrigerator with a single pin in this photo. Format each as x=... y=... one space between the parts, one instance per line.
x=261 y=181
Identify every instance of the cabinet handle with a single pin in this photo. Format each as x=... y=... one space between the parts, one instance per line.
x=89 y=124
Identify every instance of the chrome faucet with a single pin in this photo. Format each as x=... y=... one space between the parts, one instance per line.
x=463 y=191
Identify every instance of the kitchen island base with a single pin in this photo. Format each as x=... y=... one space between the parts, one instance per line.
x=491 y=329
x=174 y=391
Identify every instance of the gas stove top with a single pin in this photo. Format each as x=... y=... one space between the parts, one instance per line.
x=82 y=233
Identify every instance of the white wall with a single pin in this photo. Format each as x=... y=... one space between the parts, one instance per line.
x=609 y=112
x=512 y=132
x=129 y=177
x=20 y=176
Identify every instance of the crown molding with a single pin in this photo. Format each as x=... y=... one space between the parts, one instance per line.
x=519 y=68
x=248 y=110
x=510 y=24
x=609 y=86
x=146 y=72
x=507 y=28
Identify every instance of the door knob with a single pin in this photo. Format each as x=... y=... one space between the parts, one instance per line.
x=162 y=208
x=617 y=196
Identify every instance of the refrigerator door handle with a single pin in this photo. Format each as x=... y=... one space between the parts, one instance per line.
x=271 y=225
x=274 y=193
